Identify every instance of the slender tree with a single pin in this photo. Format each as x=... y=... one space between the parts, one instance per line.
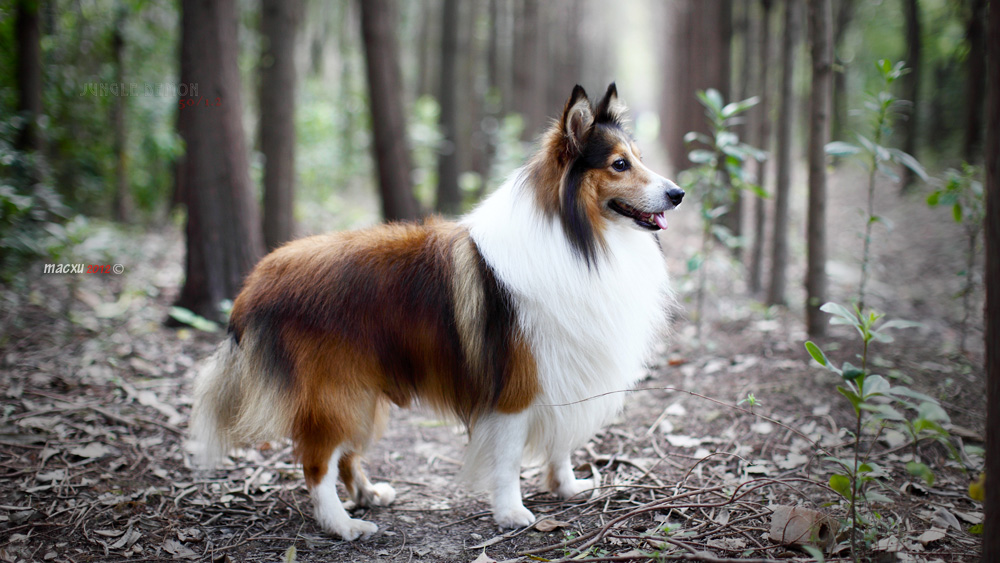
x=911 y=86
x=975 y=86
x=122 y=200
x=763 y=141
x=991 y=532
x=845 y=11
x=779 y=236
x=29 y=73
x=820 y=31
x=223 y=226
x=449 y=199
x=392 y=151
x=279 y=23
x=700 y=59
x=528 y=94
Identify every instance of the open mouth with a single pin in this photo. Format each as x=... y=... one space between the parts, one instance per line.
x=651 y=221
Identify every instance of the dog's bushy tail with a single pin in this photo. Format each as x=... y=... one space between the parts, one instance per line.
x=237 y=403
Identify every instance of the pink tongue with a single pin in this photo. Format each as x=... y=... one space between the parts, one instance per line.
x=661 y=220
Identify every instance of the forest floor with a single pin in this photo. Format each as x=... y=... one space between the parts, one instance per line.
x=96 y=393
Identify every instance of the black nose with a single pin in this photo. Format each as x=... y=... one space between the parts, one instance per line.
x=675 y=195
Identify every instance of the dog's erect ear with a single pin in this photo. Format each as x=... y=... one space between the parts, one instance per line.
x=577 y=118
x=610 y=109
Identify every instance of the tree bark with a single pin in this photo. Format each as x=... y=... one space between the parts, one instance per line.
x=975 y=79
x=779 y=237
x=122 y=201
x=762 y=141
x=392 y=151
x=700 y=60
x=820 y=18
x=223 y=227
x=29 y=73
x=845 y=11
x=911 y=87
x=529 y=54
x=991 y=532
x=449 y=199
x=279 y=24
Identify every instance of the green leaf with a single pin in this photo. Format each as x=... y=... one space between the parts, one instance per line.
x=956 y=212
x=841 y=484
x=816 y=353
x=735 y=108
x=694 y=263
x=840 y=148
x=850 y=372
x=922 y=425
x=713 y=100
x=692 y=136
x=933 y=199
x=701 y=156
x=921 y=470
x=875 y=385
x=875 y=496
x=884 y=412
x=852 y=396
x=899 y=323
x=901 y=391
x=931 y=410
x=845 y=315
x=907 y=160
x=189 y=318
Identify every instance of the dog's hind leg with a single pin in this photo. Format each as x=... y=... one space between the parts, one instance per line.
x=360 y=490
x=325 y=449
x=321 y=478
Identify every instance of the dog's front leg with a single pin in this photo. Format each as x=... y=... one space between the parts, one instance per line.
x=500 y=438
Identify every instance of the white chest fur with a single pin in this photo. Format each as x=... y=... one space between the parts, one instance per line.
x=590 y=328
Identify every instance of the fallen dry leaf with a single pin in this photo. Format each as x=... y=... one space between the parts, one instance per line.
x=795 y=525
x=483 y=558
x=549 y=524
x=932 y=535
x=91 y=451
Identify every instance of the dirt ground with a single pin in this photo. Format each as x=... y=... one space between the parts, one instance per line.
x=95 y=396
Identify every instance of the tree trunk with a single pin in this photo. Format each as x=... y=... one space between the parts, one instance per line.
x=223 y=226
x=529 y=54
x=392 y=151
x=29 y=74
x=449 y=199
x=762 y=141
x=911 y=87
x=700 y=60
x=122 y=201
x=845 y=10
x=991 y=532
x=779 y=237
x=820 y=18
x=975 y=79
x=279 y=23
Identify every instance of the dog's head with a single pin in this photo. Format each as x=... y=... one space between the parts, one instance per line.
x=590 y=173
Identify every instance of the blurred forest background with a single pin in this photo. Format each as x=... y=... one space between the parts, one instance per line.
x=833 y=151
x=251 y=122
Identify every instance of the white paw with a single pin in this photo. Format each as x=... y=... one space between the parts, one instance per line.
x=380 y=494
x=351 y=528
x=513 y=516
x=574 y=487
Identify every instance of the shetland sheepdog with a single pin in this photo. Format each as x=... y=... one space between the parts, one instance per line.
x=522 y=319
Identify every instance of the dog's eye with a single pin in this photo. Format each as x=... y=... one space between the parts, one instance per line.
x=620 y=165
